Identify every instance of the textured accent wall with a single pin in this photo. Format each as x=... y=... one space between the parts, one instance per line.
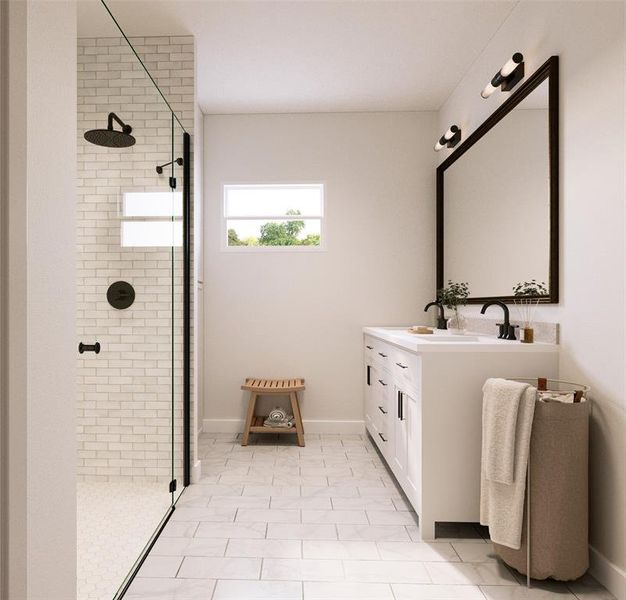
x=125 y=393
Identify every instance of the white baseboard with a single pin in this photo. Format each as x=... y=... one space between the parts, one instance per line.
x=608 y=574
x=196 y=471
x=310 y=426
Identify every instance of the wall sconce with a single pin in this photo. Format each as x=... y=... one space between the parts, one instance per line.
x=507 y=77
x=449 y=139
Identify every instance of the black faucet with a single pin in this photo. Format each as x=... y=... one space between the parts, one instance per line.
x=441 y=319
x=507 y=331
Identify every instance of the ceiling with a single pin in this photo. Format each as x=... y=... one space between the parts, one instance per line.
x=315 y=56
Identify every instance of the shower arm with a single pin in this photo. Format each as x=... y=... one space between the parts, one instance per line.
x=114 y=117
x=178 y=161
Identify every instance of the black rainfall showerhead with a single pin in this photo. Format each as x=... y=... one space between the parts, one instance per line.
x=109 y=137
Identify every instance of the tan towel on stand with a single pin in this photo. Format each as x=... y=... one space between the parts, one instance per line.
x=502 y=504
x=500 y=407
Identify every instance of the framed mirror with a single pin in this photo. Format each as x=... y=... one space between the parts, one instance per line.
x=498 y=197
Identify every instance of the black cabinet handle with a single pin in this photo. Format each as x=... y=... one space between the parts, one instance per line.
x=382 y=382
x=368 y=375
x=89 y=348
x=383 y=355
x=400 y=405
x=370 y=347
x=382 y=437
x=402 y=366
x=382 y=410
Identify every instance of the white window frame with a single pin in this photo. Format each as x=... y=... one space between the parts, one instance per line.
x=224 y=247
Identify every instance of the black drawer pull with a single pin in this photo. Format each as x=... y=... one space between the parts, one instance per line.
x=89 y=347
x=402 y=366
x=382 y=382
x=383 y=355
x=400 y=405
x=370 y=347
x=382 y=437
x=382 y=410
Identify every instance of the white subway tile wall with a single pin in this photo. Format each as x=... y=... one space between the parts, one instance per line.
x=125 y=392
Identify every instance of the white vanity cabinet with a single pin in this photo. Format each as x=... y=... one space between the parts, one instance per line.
x=423 y=409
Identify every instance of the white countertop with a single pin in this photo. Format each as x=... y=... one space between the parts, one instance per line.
x=435 y=342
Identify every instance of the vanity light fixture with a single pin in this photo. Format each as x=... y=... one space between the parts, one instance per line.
x=449 y=139
x=507 y=77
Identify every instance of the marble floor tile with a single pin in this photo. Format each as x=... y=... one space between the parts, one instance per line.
x=347 y=591
x=196 y=567
x=388 y=517
x=374 y=533
x=413 y=591
x=386 y=571
x=308 y=502
x=186 y=546
x=232 y=530
x=265 y=548
x=521 y=592
x=420 y=551
x=258 y=590
x=330 y=491
x=470 y=573
x=278 y=531
x=335 y=516
x=160 y=566
x=475 y=552
x=240 y=501
x=267 y=515
x=339 y=550
x=293 y=569
x=363 y=504
x=209 y=513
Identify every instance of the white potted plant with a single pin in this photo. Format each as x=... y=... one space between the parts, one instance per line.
x=452 y=296
x=528 y=294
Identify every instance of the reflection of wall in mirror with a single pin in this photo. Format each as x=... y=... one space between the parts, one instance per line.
x=497 y=207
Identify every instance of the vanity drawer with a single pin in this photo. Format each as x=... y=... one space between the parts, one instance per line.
x=383 y=410
x=368 y=348
x=381 y=353
x=406 y=368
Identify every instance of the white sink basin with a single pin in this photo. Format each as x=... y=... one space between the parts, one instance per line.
x=448 y=338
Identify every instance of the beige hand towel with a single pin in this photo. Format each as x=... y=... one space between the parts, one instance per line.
x=501 y=504
x=500 y=407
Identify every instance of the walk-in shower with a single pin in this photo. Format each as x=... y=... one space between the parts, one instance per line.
x=133 y=300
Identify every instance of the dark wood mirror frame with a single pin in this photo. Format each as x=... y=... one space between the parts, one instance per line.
x=550 y=71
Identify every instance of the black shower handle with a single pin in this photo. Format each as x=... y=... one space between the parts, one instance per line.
x=89 y=347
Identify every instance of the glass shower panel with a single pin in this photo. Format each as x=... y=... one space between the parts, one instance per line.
x=129 y=247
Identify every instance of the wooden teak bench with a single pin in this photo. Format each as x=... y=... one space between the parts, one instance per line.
x=265 y=387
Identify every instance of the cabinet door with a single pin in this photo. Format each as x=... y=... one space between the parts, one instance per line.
x=413 y=471
x=400 y=420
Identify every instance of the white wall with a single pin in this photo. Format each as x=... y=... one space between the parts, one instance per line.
x=38 y=308
x=279 y=314
x=589 y=39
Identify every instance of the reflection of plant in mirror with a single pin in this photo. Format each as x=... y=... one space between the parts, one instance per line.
x=527 y=296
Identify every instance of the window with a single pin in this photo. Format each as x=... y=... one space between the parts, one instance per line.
x=152 y=219
x=266 y=217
